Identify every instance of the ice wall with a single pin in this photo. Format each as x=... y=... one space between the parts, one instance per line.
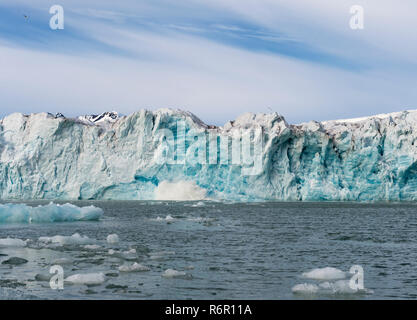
x=52 y=157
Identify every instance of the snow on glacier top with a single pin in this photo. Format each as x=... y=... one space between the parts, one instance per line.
x=339 y=125
x=272 y=121
x=243 y=121
x=377 y=116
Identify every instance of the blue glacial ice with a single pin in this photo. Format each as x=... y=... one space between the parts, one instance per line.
x=112 y=157
x=22 y=213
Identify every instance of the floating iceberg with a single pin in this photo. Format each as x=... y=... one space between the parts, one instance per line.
x=62 y=261
x=341 y=287
x=171 y=273
x=11 y=242
x=92 y=247
x=328 y=273
x=305 y=288
x=135 y=267
x=75 y=239
x=22 y=213
x=171 y=154
x=168 y=218
x=86 y=278
x=112 y=238
x=331 y=281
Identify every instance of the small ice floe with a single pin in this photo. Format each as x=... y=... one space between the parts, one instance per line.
x=327 y=273
x=10 y=242
x=198 y=204
x=22 y=213
x=129 y=255
x=140 y=249
x=75 y=239
x=92 y=247
x=168 y=218
x=330 y=281
x=130 y=251
x=201 y=219
x=195 y=205
x=86 y=278
x=136 y=267
x=161 y=255
x=171 y=273
x=112 y=238
x=305 y=288
x=329 y=288
x=339 y=286
x=62 y=261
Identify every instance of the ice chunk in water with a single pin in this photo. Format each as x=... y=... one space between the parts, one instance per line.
x=305 y=288
x=331 y=281
x=198 y=204
x=112 y=238
x=329 y=288
x=125 y=255
x=168 y=218
x=10 y=242
x=171 y=273
x=61 y=261
x=75 y=239
x=22 y=213
x=92 y=247
x=341 y=287
x=136 y=267
x=161 y=255
x=327 y=273
x=87 y=278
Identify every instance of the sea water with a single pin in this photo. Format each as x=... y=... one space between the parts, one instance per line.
x=213 y=250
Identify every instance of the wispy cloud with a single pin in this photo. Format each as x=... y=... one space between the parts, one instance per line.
x=215 y=58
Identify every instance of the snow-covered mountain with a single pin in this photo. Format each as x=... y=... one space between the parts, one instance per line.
x=43 y=156
x=104 y=118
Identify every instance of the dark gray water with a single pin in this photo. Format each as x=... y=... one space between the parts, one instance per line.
x=225 y=251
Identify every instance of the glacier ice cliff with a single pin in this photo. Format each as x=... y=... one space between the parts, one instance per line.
x=52 y=157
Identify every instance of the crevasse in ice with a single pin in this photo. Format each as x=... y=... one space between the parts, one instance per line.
x=50 y=157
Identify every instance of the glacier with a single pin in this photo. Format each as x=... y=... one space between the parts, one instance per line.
x=113 y=157
x=22 y=213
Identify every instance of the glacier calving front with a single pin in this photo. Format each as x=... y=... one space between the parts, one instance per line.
x=48 y=157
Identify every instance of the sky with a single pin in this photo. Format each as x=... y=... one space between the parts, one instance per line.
x=215 y=58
